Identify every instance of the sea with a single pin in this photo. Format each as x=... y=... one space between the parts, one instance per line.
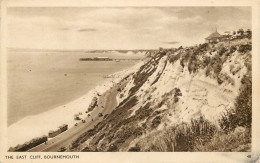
x=40 y=80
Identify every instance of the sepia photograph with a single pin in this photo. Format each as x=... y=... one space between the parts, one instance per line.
x=129 y=79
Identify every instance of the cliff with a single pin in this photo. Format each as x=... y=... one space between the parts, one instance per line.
x=187 y=99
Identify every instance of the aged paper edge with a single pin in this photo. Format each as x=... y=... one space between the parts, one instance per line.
x=141 y=156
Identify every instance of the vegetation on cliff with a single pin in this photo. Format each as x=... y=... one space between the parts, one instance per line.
x=197 y=98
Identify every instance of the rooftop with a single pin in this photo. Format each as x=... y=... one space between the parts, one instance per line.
x=213 y=35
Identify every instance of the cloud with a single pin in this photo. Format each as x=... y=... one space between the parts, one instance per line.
x=86 y=30
x=131 y=27
x=171 y=42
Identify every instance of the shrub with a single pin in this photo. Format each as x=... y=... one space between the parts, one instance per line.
x=243 y=104
x=226 y=122
x=160 y=104
x=206 y=61
x=217 y=68
x=242 y=113
x=223 y=77
x=112 y=148
x=207 y=72
x=203 y=47
x=143 y=112
x=156 y=121
x=222 y=51
x=198 y=135
x=182 y=137
x=238 y=140
x=159 y=74
x=87 y=149
x=244 y=48
x=177 y=94
x=232 y=49
x=194 y=63
x=220 y=81
x=134 y=149
x=182 y=63
x=174 y=58
x=190 y=66
x=248 y=63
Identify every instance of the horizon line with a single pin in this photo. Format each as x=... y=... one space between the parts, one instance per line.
x=15 y=48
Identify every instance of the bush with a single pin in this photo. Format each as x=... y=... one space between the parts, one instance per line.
x=244 y=48
x=222 y=51
x=177 y=94
x=182 y=63
x=134 y=149
x=238 y=140
x=112 y=148
x=226 y=122
x=220 y=81
x=241 y=116
x=181 y=137
x=223 y=77
x=248 y=63
x=160 y=104
x=243 y=104
x=159 y=74
x=198 y=135
x=206 y=61
x=217 y=68
x=194 y=63
x=156 y=121
x=174 y=58
x=232 y=49
x=207 y=73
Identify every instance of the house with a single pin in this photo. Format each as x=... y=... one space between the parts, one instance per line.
x=214 y=37
x=227 y=36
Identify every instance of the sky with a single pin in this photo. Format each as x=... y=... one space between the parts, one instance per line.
x=92 y=28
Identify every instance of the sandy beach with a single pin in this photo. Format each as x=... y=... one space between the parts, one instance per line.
x=40 y=124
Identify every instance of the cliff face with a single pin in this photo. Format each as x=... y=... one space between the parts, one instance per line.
x=182 y=100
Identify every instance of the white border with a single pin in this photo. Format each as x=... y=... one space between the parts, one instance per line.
x=148 y=156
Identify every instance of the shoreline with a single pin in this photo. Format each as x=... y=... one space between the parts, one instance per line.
x=32 y=127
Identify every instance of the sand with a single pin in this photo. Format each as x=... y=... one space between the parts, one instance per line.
x=40 y=124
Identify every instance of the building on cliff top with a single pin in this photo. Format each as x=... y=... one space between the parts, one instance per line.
x=214 y=37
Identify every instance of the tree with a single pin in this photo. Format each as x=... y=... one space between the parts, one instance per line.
x=240 y=31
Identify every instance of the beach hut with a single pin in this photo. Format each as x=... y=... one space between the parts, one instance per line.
x=214 y=37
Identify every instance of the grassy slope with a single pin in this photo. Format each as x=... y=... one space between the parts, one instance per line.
x=133 y=125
